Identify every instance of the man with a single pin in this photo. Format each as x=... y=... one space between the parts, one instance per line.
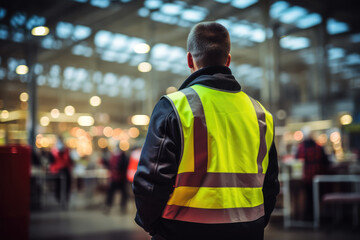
x=117 y=166
x=61 y=164
x=315 y=162
x=208 y=168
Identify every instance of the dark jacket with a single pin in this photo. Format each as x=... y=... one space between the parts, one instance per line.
x=155 y=177
x=315 y=159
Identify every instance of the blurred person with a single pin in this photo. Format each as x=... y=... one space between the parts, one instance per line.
x=315 y=161
x=105 y=157
x=133 y=163
x=61 y=165
x=117 y=166
x=208 y=168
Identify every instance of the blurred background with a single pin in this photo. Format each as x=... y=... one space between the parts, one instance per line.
x=79 y=80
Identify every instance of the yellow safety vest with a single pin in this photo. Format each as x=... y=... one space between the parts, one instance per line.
x=226 y=137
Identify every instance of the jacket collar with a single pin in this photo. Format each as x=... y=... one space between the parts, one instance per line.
x=218 y=77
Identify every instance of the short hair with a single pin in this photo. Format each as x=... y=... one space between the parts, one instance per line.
x=209 y=44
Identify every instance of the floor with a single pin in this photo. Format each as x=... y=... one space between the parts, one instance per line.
x=85 y=220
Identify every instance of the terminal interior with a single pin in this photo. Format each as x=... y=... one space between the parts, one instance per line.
x=91 y=71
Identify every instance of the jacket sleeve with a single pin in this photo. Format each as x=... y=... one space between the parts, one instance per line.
x=271 y=186
x=155 y=177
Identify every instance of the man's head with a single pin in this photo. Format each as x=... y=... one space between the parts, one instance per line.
x=208 y=44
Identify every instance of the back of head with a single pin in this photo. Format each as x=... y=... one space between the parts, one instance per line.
x=307 y=132
x=209 y=44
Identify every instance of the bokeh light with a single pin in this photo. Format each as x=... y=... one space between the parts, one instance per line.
x=69 y=110
x=24 y=97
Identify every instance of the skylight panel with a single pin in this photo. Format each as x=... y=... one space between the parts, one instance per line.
x=353 y=59
x=194 y=15
x=309 y=20
x=2 y=73
x=277 y=9
x=35 y=21
x=241 y=30
x=223 y=1
x=171 y=9
x=355 y=38
x=225 y=22
x=258 y=35
x=100 y=3
x=292 y=14
x=4 y=33
x=294 y=43
x=110 y=79
x=82 y=50
x=81 y=32
x=122 y=57
x=336 y=27
x=18 y=36
x=335 y=53
x=143 y=12
x=242 y=4
x=50 y=43
x=2 y=13
x=119 y=41
x=160 y=17
x=153 y=4
x=160 y=51
x=139 y=83
x=103 y=38
x=18 y=19
x=176 y=54
x=109 y=56
x=64 y=30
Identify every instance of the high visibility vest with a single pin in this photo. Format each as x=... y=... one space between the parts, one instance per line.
x=226 y=137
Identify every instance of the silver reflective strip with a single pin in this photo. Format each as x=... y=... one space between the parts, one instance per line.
x=262 y=127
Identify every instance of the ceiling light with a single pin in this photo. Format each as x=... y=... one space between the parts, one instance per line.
x=95 y=101
x=124 y=145
x=346 y=119
x=141 y=48
x=24 y=97
x=69 y=110
x=86 y=121
x=133 y=132
x=140 y=119
x=55 y=113
x=144 y=67
x=22 y=69
x=102 y=143
x=5 y=114
x=108 y=131
x=40 y=31
x=44 y=121
x=298 y=136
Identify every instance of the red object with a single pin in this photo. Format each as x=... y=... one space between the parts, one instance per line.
x=133 y=163
x=15 y=192
x=116 y=167
x=61 y=160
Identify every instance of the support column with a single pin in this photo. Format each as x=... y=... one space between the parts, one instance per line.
x=31 y=54
x=324 y=77
x=269 y=60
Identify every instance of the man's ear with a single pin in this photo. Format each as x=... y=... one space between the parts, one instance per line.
x=228 y=60
x=190 y=60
